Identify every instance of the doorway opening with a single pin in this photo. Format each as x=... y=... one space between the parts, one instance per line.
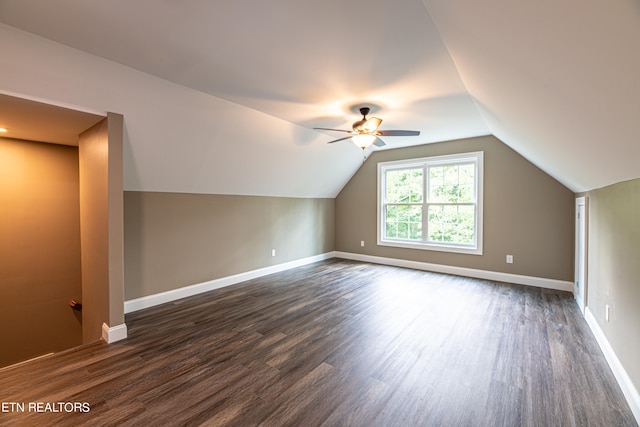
x=57 y=227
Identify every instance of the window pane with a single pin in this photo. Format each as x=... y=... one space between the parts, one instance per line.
x=436 y=184
x=467 y=174
x=435 y=223
x=466 y=224
x=451 y=175
x=415 y=231
x=467 y=183
x=392 y=213
x=452 y=224
x=391 y=230
x=404 y=222
x=404 y=185
x=403 y=213
x=403 y=230
x=452 y=184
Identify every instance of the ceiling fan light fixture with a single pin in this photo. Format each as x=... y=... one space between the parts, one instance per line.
x=363 y=140
x=365 y=131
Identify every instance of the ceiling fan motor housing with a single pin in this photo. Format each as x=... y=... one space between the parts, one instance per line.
x=358 y=126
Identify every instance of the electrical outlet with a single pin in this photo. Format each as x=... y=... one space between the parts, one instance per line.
x=273 y=252
x=509 y=259
x=362 y=243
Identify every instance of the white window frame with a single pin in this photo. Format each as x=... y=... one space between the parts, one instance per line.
x=477 y=158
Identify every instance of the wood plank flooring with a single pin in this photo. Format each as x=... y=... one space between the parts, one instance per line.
x=337 y=343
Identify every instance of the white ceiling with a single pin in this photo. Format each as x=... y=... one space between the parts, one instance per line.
x=555 y=81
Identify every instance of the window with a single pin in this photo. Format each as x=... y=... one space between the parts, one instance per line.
x=433 y=203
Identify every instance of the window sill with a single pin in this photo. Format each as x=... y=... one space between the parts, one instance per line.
x=431 y=247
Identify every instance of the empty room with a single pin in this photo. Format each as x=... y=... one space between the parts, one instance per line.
x=281 y=213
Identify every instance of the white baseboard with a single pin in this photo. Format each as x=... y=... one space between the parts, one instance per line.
x=560 y=285
x=187 y=291
x=628 y=389
x=113 y=334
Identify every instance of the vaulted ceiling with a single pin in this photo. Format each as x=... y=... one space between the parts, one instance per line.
x=238 y=86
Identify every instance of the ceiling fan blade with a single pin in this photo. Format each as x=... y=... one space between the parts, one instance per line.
x=339 y=139
x=398 y=132
x=379 y=143
x=336 y=130
x=371 y=124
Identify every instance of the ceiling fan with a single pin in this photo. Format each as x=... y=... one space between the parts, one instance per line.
x=365 y=131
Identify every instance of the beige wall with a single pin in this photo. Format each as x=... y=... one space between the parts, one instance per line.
x=614 y=269
x=101 y=224
x=115 y=129
x=174 y=240
x=527 y=213
x=39 y=249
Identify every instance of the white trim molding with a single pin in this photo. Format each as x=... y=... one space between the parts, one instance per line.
x=628 y=389
x=560 y=285
x=113 y=334
x=187 y=291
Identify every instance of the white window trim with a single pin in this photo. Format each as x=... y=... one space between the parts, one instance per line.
x=475 y=157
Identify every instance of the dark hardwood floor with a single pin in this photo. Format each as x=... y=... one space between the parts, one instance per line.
x=337 y=343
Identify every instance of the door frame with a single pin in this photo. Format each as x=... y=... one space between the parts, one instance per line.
x=581 y=252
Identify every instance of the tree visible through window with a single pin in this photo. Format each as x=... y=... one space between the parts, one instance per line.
x=432 y=203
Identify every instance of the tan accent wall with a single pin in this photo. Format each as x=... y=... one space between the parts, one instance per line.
x=39 y=249
x=101 y=224
x=614 y=269
x=527 y=213
x=174 y=240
